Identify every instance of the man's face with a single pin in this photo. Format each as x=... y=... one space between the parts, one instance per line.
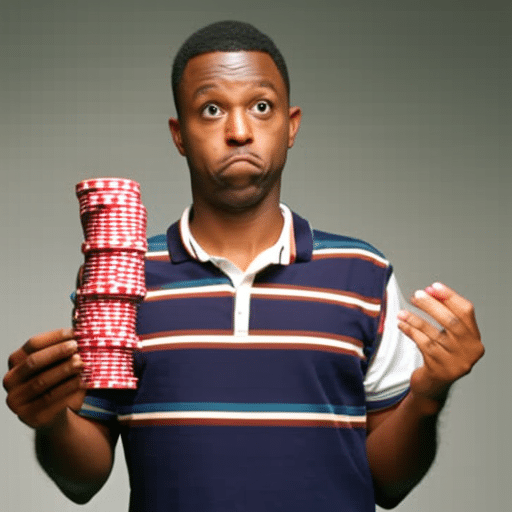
x=235 y=128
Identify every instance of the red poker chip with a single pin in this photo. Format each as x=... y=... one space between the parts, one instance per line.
x=106 y=359
x=91 y=306
x=138 y=215
x=111 y=367
x=105 y=333
x=122 y=199
x=121 y=257
x=107 y=183
x=89 y=315
x=113 y=219
x=90 y=213
x=89 y=217
x=99 y=189
x=109 y=268
x=116 y=238
x=93 y=212
x=92 y=344
x=108 y=271
x=98 y=245
x=92 y=205
x=113 y=272
x=112 y=289
x=114 y=228
x=113 y=280
x=111 y=384
x=110 y=321
x=104 y=312
x=107 y=355
x=122 y=239
x=116 y=329
x=112 y=324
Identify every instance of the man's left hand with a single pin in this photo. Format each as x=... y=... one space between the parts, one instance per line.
x=449 y=352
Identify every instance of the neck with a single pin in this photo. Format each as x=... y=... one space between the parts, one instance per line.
x=237 y=236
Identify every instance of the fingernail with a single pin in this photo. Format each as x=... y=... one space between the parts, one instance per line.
x=420 y=294
x=402 y=315
x=76 y=361
x=438 y=286
x=72 y=345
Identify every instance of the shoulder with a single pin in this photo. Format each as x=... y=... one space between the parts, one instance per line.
x=157 y=248
x=340 y=246
x=157 y=243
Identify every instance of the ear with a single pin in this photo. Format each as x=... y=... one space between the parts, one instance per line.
x=174 y=126
x=295 y=119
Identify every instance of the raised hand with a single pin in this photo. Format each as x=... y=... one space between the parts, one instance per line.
x=448 y=353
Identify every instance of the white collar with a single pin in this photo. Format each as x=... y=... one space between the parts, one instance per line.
x=282 y=252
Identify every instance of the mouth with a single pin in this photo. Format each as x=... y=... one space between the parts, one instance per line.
x=240 y=158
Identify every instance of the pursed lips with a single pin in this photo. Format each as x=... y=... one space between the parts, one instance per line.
x=248 y=157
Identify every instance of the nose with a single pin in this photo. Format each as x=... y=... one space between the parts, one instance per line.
x=238 y=129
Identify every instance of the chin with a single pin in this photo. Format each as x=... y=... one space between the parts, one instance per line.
x=237 y=201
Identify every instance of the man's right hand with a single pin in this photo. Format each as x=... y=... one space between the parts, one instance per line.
x=44 y=379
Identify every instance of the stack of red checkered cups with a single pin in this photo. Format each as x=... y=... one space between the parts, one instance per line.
x=112 y=283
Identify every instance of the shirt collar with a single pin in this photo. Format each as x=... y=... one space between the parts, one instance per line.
x=294 y=244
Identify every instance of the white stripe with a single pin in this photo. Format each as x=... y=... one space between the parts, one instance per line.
x=157 y=253
x=233 y=415
x=251 y=339
x=360 y=252
x=333 y=297
x=196 y=290
x=92 y=408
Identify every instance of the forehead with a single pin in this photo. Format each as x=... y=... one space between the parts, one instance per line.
x=224 y=68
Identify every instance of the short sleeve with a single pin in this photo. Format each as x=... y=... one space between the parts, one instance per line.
x=389 y=373
x=100 y=405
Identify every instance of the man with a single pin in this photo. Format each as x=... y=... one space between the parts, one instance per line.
x=273 y=373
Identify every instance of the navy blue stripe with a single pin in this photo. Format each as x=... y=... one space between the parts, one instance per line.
x=269 y=376
x=183 y=314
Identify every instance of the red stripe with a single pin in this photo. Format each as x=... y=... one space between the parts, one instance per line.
x=317 y=256
x=243 y=423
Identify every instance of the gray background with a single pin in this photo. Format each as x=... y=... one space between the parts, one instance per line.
x=405 y=142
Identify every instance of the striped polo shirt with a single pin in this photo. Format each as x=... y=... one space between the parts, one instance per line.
x=254 y=386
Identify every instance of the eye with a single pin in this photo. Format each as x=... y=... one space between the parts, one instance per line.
x=262 y=107
x=211 y=110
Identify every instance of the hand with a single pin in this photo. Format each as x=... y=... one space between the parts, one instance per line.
x=44 y=378
x=449 y=353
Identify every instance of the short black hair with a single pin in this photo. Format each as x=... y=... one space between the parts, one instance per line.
x=225 y=36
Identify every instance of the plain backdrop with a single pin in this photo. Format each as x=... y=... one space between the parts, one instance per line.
x=405 y=142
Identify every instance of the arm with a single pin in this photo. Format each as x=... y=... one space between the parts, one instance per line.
x=401 y=443
x=44 y=387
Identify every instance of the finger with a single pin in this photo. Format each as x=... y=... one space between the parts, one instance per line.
x=45 y=381
x=38 y=361
x=439 y=312
x=431 y=350
x=460 y=306
x=42 y=411
x=47 y=339
x=418 y=323
x=36 y=343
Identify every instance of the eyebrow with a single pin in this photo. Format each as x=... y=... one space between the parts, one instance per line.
x=205 y=88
